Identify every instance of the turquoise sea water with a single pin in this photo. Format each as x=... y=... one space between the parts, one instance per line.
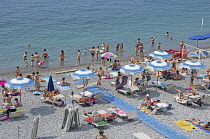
x=72 y=25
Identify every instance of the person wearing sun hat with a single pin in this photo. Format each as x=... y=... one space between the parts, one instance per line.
x=146 y=101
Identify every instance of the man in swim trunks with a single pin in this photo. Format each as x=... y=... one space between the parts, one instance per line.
x=141 y=50
x=195 y=121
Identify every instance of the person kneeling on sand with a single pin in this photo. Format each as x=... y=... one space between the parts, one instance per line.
x=195 y=121
x=146 y=102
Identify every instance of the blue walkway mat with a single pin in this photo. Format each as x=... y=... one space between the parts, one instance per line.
x=145 y=118
x=80 y=81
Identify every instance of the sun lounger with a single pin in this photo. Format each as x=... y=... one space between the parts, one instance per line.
x=206 y=53
x=159 y=84
x=187 y=102
x=197 y=55
x=89 y=84
x=57 y=97
x=60 y=72
x=60 y=87
x=82 y=100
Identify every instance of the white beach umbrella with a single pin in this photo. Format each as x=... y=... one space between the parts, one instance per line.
x=160 y=54
x=191 y=65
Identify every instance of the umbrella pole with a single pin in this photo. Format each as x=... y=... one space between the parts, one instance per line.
x=157 y=80
x=20 y=95
x=131 y=80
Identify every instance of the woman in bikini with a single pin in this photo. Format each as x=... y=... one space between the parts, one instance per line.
x=97 y=52
x=62 y=56
x=146 y=102
x=37 y=58
x=45 y=56
x=92 y=52
x=78 y=58
x=141 y=50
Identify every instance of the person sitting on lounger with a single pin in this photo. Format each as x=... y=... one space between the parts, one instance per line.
x=63 y=82
x=181 y=95
x=146 y=102
x=7 y=99
x=177 y=75
x=195 y=121
x=135 y=82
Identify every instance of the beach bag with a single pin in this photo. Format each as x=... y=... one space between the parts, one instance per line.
x=100 y=122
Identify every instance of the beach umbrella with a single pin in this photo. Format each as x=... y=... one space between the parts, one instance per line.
x=83 y=74
x=159 y=66
x=2 y=82
x=197 y=37
x=109 y=55
x=19 y=83
x=207 y=35
x=191 y=65
x=50 y=86
x=160 y=54
x=131 y=69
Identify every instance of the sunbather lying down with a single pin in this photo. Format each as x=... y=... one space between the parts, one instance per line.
x=195 y=121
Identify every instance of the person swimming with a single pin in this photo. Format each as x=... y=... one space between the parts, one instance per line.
x=84 y=51
x=167 y=34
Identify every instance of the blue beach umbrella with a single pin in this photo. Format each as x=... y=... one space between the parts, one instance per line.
x=160 y=54
x=197 y=37
x=191 y=65
x=50 y=86
x=207 y=35
x=131 y=69
x=19 y=83
x=159 y=66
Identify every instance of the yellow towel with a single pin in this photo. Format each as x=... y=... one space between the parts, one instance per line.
x=186 y=125
x=145 y=110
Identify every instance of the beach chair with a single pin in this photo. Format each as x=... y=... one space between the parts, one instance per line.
x=197 y=55
x=159 y=85
x=206 y=53
x=97 y=96
x=187 y=102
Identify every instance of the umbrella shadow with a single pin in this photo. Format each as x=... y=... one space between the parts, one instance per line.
x=48 y=137
x=43 y=110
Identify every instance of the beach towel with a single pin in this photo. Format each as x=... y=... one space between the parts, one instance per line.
x=80 y=81
x=208 y=131
x=62 y=87
x=2 y=82
x=4 y=118
x=47 y=79
x=185 y=125
x=144 y=110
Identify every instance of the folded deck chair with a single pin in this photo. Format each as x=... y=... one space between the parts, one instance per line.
x=197 y=55
x=159 y=84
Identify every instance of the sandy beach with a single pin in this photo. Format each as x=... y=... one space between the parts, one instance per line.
x=51 y=117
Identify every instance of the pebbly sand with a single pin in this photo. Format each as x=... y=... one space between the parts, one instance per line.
x=51 y=117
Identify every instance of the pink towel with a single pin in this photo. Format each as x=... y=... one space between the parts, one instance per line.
x=120 y=111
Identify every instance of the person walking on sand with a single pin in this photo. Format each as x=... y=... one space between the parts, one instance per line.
x=37 y=82
x=99 y=80
x=158 y=46
x=45 y=56
x=37 y=58
x=61 y=57
x=101 y=135
x=92 y=52
x=78 y=57
x=192 y=77
x=17 y=71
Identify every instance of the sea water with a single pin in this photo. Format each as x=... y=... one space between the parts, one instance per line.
x=70 y=25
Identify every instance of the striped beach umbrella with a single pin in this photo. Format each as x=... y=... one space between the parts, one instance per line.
x=159 y=65
x=19 y=83
x=109 y=55
x=160 y=54
x=131 y=69
x=191 y=65
x=83 y=74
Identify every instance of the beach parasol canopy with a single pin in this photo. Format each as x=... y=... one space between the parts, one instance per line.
x=160 y=54
x=83 y=74
x=197 y=37
x=158 y=65
x=19 y=83
x=207 y=35
x=50 y=86
x=131 y=70
x=2 y=82
x=109 y=55
x=191 y=65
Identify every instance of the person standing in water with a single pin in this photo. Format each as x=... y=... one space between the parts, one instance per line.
x=17 y=71
x=62 y=56
x=97 y=53
x=45 y=56
x=32 y=60
x=37 y=58
x=78 y=57
x=92 y=52
x=158 y=46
